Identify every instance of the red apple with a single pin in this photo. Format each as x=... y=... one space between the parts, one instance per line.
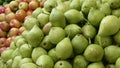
x=21 y=29
x=20 y=15
x=33 y=5
x=2 y=10
x=13 y=32
x=3 y=49
x=2 y=33
x=7 y=10
x=29 y=12
x=14 y=5
x=24 y=6
x=10 y=16
x=15 y=23
x=27 y=1
x=3 y=42
x=9 y=40
x=4 y=26
x=2 y=17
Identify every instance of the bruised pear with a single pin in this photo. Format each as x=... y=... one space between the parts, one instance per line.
x=64 y=49
x=28 y=65
x=75 y=4
x=38 y=51
x=95 y=16
x=96 y=65
x=72 y=29
x=45 y=61
x=62 y=64
x=36 y=12
x=79 y=43
x=112 y=53
x=57 y=18
x=80 y=62
x=74 y=16
x=109 y=26
x=56 y=34
x=94 y=53
x=34 y=36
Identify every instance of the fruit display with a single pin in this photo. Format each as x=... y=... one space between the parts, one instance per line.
x=62 y=34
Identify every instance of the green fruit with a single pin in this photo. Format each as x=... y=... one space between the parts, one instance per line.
x=25 y=50
x=72 y=29
x=43 y=19
x=46 y=44
x=15 y=53
x=96 y=65
x=35 y=36
x=53 y=55
x=28 y=65
x=114 y=3
x=30 y=22
x=62 y=64
x=109 y=26
x=89 y=31
x=38 y=51
x=94 y=53
x=112 y=53
x=45 y=61
x=116 y=37
x=64 y=49
x=116 y=12
x=36 y=12
x=12 y=45
x=74 y=16
x=117 y=63
x=56 y=34
x=16 y=61
x=6 y=55
x=9 y=63
x=103 y=41
x=79 y=43
x=16 y=38
x=75 y=4
x=20 y=42
x=57 y=18
x=110 y=66
x=25 y=60
x=95 y=16
x=1 y=64
x=80 y=62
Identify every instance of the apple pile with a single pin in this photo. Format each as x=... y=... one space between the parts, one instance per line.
x=67 y=34
x=12 y=16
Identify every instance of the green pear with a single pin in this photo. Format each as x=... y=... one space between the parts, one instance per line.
x=95 y=16
x=49 y=5
x=74 y=16
x=38 y=51
x=112 y=53
x=117 y=63
x=94 y=53
x=57 y=18
x=46 y=44
x=43 y=19
x=36 y=12
x=25 y=34
x=28 y=65
x=96 y=65
x=16 y=62
x=64 y=49
x=6 y=55
x=45 y=11
x=25 y=60
x=35 y=36
x=62 y=64
x=16 y=38
x=105 y=8
x=75 y=4
x=109 y=26
x=12 y=45
x=116 y=37
x=79 y=43
x=15 y=53
x=114 y=3
x=25 y=50
x=53 y=55
x=1 y=64
x=56 y=34
x=87 y=4
x=45 y=61
x=79 y=61
x=46 y=28
x=110 y=66
x=116 y=12
x=9 y=63
x=20 y=42
x=72 y=29
x=103 y=41
x=89 y=31
x=30 y=22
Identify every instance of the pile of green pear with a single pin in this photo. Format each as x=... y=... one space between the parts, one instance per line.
x=68 y=34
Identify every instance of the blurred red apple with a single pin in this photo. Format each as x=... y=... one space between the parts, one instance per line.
x=7 y=10
x=3 y=42
x=2 y=17
x=15 y=23
x=33 y=4
x=2 y=33
x=10 y=16
x=2 y=10
x=29 y=12
x=3 y=49
x=20 y=15
x=9 y=40
x=13 y=32
x=27 y=1
x=21 y=29
x=24 y=6
x=20 y=0
x=4 y=26
x=14 y=5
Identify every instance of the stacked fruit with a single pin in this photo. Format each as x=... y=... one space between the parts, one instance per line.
x=12 y=16
x=68 y=34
